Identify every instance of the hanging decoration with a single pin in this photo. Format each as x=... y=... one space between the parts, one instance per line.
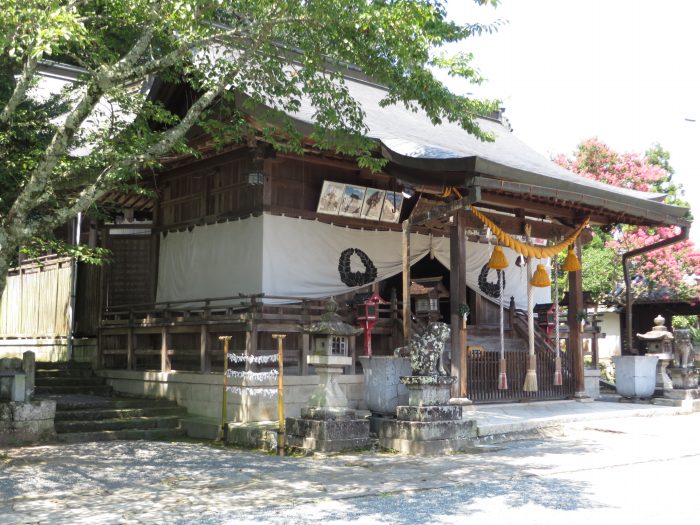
x=531 y=374
x=525 y=248
x=498 y=259
x=557 y=357
x=541 y=278
x=252 y=359
x=571 y=263
x=255 y=391
x=251 y=376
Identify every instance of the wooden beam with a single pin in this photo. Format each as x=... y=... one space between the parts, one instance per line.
x=406 y=280
x=164 y=346
x=458 y=297
x=446 y=210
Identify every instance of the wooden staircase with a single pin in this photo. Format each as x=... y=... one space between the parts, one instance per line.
x=87 y=410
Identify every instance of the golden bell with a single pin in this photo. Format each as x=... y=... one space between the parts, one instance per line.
x=540 y=278
x=498 y=259
x=571 y=263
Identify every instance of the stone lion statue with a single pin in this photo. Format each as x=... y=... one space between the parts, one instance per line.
x=682 y=348
x=425 y=350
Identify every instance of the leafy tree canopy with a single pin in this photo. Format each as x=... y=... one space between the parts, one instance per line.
x=60 y=155
x=669 y=273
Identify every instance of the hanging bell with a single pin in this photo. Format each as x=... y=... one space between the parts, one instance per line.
x=571 y=263
x=498 y=259
x=540 y=278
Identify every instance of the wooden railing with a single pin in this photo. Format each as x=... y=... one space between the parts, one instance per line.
x=183 y=335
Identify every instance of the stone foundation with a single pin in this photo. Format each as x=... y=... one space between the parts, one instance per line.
x=23 y=423
x=327 y=435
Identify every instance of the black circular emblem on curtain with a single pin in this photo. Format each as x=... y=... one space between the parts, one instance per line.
x=351 y=278
x=491 y=289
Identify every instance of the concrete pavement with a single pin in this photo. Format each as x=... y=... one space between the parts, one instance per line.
x=601 y=470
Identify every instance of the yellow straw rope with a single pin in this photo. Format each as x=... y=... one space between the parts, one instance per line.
x=538 y=252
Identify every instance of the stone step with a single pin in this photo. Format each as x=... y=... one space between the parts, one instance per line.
x=92 y=414
x=63 y=365
x=98 y=390
x=117 y=424
x=65 y=372
x=130 y=434
x=68 y=381
x=85 y=402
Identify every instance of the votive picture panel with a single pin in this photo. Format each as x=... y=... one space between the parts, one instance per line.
x=391 y=211
x=353 y=197
x=372 y=207
x=331 y=197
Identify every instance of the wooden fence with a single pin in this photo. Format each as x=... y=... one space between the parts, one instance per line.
x=36 y=299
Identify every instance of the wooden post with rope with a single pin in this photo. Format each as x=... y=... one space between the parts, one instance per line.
x=280 y=398
x=223 y=429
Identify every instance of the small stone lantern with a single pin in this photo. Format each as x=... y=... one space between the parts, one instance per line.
x=330 y=342
x=659 y=342
x=427 y=293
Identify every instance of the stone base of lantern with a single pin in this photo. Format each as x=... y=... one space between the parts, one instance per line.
x=328 y=435
x=428 y=425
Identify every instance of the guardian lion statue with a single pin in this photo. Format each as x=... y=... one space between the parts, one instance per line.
x=425 y=350
x=682 y=348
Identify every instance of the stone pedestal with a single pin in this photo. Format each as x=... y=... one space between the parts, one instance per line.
x=663 y=380
x=26 y=422
x=685 y=392
x=327 y=424
x=328 y=435
x=428 y=425
x=591 y=377
x=683 y=378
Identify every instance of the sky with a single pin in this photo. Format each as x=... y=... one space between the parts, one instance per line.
x=624 y=71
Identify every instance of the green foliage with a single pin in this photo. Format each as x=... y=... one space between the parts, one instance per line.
x=235 y=58
x=684 y=321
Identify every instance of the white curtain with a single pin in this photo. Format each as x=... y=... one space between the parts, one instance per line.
x=291 y=257
x=218 y=260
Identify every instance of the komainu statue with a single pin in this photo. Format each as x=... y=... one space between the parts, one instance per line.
x=683 y=348
x=426 y=349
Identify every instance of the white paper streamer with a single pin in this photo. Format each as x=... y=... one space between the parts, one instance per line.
x=253 y=376
x=265 y=392
x=256 y=359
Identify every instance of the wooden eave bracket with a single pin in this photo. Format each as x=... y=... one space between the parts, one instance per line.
x=446 y=210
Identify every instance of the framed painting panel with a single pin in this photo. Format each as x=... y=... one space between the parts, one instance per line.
x=391 y=210
x=372 y=207
x=331 y=196
x=353 y=197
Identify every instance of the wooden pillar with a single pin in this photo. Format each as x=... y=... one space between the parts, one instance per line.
x=164 y=347
x=204 y=357
x=458 y=297
x=305 y=339
x=574 y=343
x=251 y=345
x=406 y=281
x=130 y=348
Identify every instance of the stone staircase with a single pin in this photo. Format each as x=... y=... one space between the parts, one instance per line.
x=86 y=410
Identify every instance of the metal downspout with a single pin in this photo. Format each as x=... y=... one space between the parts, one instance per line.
x=682 y=236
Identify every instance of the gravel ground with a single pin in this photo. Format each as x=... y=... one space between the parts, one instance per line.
x=629 y=470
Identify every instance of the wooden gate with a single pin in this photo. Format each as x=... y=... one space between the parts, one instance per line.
x=482 y=377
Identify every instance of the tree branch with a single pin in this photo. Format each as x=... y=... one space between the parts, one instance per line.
x=20 y=92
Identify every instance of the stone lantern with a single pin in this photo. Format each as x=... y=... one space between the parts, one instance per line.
x=327 y=423
x=659 y=342
x=427 y=293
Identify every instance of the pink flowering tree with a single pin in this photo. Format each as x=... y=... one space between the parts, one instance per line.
x=669 y=273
